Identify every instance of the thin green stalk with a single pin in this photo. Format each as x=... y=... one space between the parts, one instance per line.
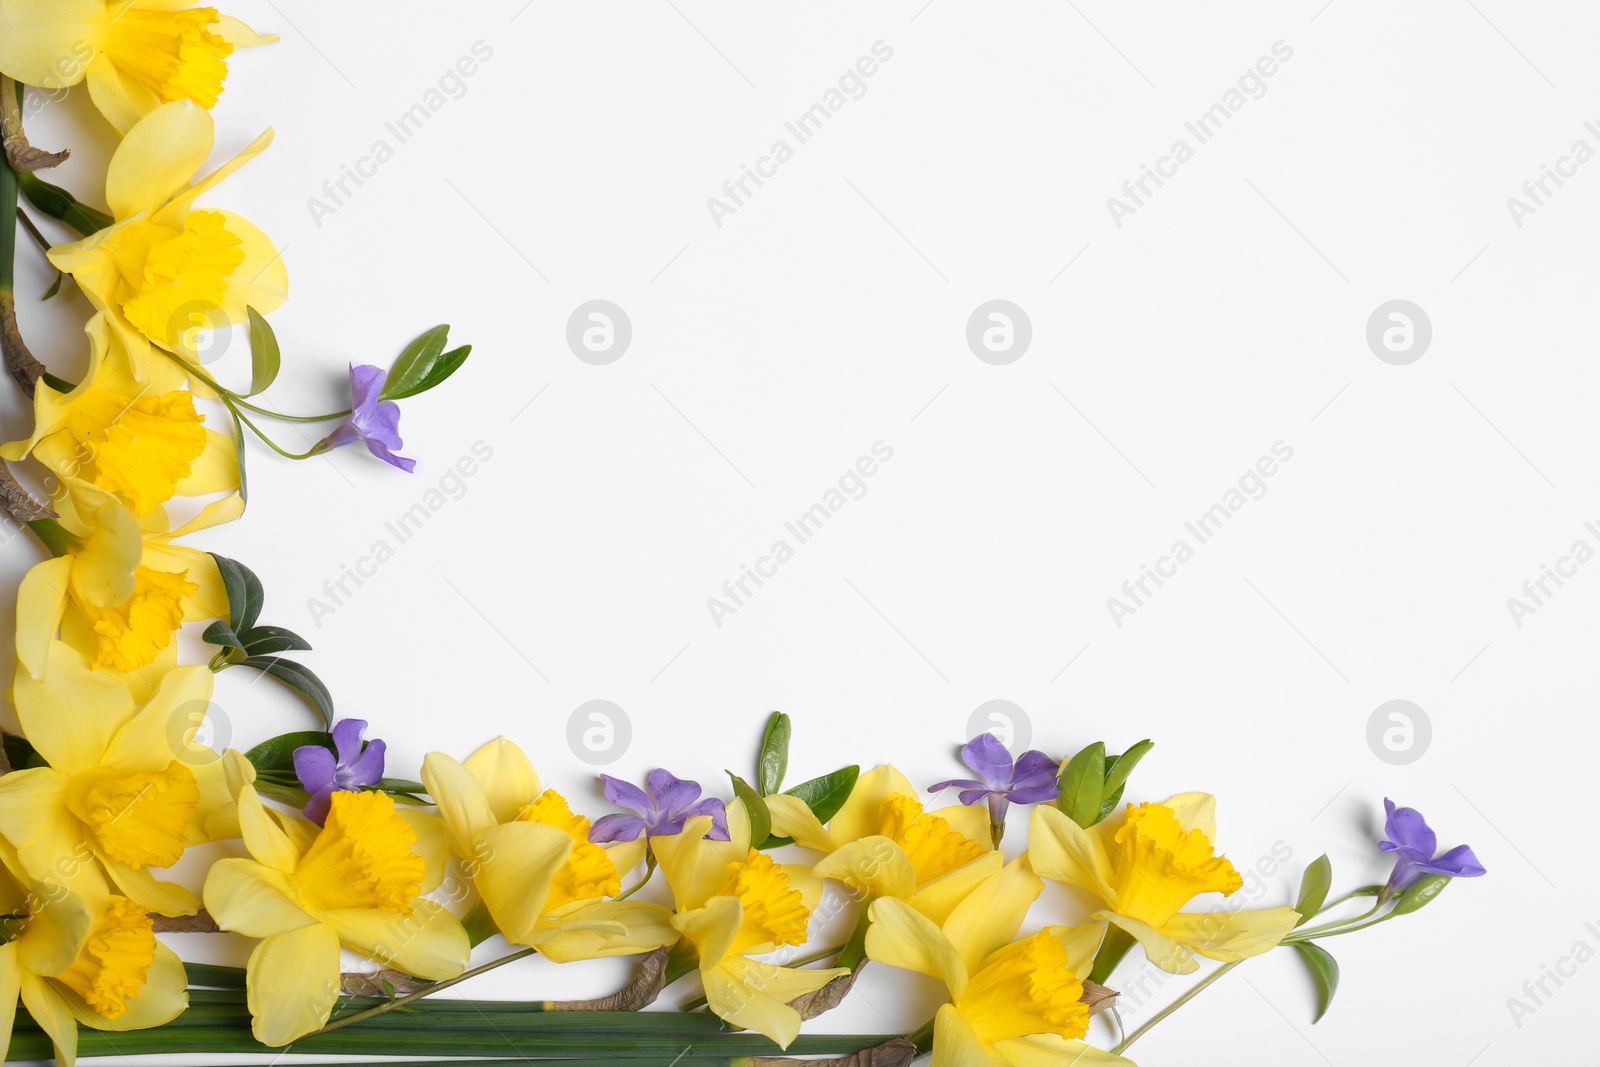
x=1334 y=930
x=855 y=949
x=391 y=1005
x=286 y=418
x=1175 y=1005
x=229 y=403
x=649 y=872
x=1308 y=932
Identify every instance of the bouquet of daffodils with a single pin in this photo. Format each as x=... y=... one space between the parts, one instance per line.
x=105 y=787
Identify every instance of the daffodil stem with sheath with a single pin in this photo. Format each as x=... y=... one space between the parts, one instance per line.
x=397 y=1002
x=1115 y=946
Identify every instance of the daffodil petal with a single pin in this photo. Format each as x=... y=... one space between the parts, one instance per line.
x=164 y=728
x=429 y=943
x=56 y=933
x=50 y=1012
x=34 y=818
x=1195 y=811
x=250 y=898
x=460 y=799
x=509 y=781
x=993 y=912
x=711 y=929
x=1063 y=851
x=159 y=155
x=1081 y=943
x=956 y=1043
x=238 y=34
x=861 y=814
x=216 y=470
x=793 y=818
x=514 y=866
x=873 y=864
x=145 y=889
x=71 y=713
x=10 y=989
x=755 y=995
x=120 y=97
x=606 y=928
x=263 y=837
x=432 y=843
x=162 y=998
x=901 y=936
x=1229 y=936
x=293 y=983
x=47 y=42
x=1048 y=1050
x=939 y=897
x=1161 y=950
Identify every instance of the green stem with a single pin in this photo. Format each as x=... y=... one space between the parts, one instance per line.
x=649 y=872
x=60 y=204
x=227 y=400
x=391 y=1005
x=286 y=418
x=855 y=949
x=1115 y=946
x=56 y=537
x=1334 y=930
x=1175 y=1005
x=1306 y=933
x=922 y=1037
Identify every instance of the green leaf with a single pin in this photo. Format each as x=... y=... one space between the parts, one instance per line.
x=220 y=633
x=245 y=595
x=398 y=785
x=21 y=754
x=265 y=358
x=1324 y=974
x=773 y=762
x=266 y=640
x=276 y=754
x=1083 y=785
x=827 y=794
x=238 y=451
x=1314 y=886
x=1118 y=770
x=1109 y=805
x=760 y=817
x=1420 y=893
x=423 y=365
x=298 y=677
x=55 y=286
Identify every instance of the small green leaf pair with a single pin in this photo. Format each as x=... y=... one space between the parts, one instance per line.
x=423 y=365
x=1091 y=786
x=824 y=795
x=244 y=643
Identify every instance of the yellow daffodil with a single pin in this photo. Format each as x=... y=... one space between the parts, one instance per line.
x=165 y=270
x=127 y=782
x=357 y=881
x=1145 y=865
x=144 y=442
x=1013 y=1003
x=529 y=856
x=883 y=842
x=120 y=588
x=735 y=903
x=74 y=958
x=135 y=54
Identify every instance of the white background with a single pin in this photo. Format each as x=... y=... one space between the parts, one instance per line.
x=829 y=313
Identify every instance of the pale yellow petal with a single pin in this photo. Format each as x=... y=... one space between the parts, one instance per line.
x=695 y=867
x=606 y=928
x=429 y=943
x=862 y=814
x=163 y=730
x=1160 y=949
x=263 y=836
x=1195 y=811
x=34 y=818
x=793 y=818
x=252 y=899
x=872 y=864
x=1061 y=850
x=119 y=96
x=157 y=158
x=261 y=281
x=102 y=571
x=41 y=600
x=178 y=207
x=755 y=995
x=239 y=35
x=515 y=863
x=956 y=1043
x=460 y=799
x=969 y=820
x=71 y=713
x=711 y=929
x=53 y=1017
x=1231 y=935
x=938 y=898
x=509 y=781
x=10 y=990
x=992 y=914
x=1048 y=1050
x=216 y=470
x=432 y=844
x=48 y=42
x=293 y=982
x=901 y=936
x=144 y=888
x=1081 y=943
x=56 y=933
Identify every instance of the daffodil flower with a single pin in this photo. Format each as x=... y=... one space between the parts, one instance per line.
x=127 y=782
x=164 y=270
x=305 y=891
x=883 y=842
x=735 y=903
x=1013 y=1003
x=135 y=54
x=120 y=588
x=530 y=859
x=76 y=959
x=1145 y=866
x=142 y=441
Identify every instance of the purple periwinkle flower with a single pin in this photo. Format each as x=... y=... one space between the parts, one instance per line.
x=1414 y=844
x=668 y=804
x=323 y=773
x=373 y=422
x=1031 y=779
